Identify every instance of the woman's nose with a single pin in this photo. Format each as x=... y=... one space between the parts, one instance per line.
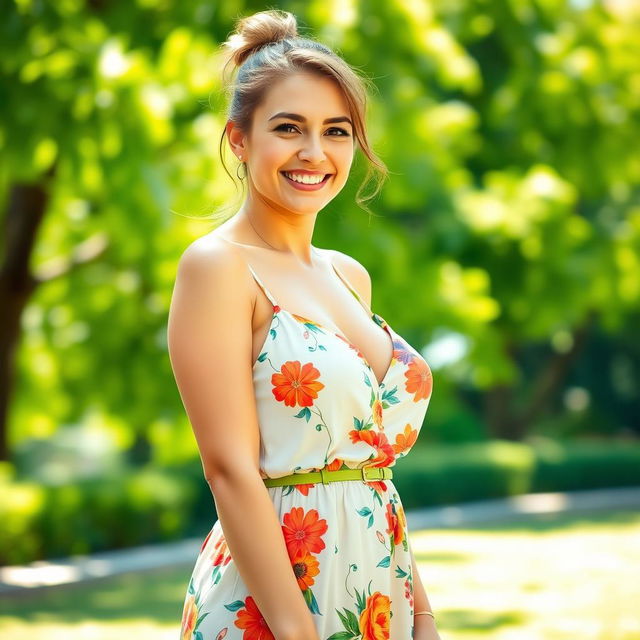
x=312 y=150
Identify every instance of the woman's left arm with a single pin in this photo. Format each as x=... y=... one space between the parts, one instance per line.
x=424 y=626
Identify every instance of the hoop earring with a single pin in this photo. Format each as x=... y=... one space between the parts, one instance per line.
x=245 y=171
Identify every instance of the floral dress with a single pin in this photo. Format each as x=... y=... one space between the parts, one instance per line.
x=320 y=406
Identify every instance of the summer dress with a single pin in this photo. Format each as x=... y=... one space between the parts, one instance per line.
x=320 y=406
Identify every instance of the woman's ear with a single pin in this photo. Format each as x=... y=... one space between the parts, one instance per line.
x=236 y=139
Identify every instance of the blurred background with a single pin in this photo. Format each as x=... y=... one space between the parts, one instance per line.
x=505 y=246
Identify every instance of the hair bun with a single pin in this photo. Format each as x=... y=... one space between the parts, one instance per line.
x=258 y=30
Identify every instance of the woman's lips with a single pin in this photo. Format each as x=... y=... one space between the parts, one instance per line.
x=301 y=186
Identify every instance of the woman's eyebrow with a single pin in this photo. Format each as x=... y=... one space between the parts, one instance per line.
x=298 y=118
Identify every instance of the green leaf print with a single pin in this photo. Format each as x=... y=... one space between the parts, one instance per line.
x=361 y=601
x=311 y=601
x=234 y=606
x=350 y=622
x=401 y=573
x=201 y=618
x=365 y=511
x=304 y=413
x=390 y=397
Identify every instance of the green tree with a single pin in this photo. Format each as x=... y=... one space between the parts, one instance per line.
x=511 y=216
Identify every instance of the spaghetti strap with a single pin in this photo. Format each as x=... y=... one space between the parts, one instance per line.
x=351 y=289
x=262 y=286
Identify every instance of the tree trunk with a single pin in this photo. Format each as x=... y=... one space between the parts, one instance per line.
x=25 y=209
x=509 y=422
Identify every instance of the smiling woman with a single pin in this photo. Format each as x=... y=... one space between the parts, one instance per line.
x=299 y=415
x=296 y=160
x=262 y=58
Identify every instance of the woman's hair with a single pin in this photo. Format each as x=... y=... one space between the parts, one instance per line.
x=265 y=48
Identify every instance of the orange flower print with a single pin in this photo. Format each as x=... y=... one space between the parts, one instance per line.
x=302 y=532
x=222 y=555
x=376 y=409
x=397 y=522
x=204 y=544
x=384 y=451
x=375 y=617
x=419 y=379
x=296 y=385
x=363 y=435
x=251 y=620
x=189 y=618
x=405 y=440
x=379 y=486
x=305 y=567
x=306 y=320
x=303 y=488
x=402 y=518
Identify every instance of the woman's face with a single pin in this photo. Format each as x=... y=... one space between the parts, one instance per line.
x=302 y=128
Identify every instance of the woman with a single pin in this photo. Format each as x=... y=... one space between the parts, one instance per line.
x=292 y=385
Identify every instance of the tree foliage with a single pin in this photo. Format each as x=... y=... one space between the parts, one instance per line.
x=507 y=239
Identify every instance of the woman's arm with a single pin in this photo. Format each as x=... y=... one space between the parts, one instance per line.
x=210 y=347
x=420 y=599
x=424 y=626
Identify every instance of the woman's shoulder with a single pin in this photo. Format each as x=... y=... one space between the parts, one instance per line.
x=212 y=249
x=213 y=257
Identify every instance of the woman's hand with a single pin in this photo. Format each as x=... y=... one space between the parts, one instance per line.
x=424 y=628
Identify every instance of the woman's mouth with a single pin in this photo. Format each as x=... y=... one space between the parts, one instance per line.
x=306 y=186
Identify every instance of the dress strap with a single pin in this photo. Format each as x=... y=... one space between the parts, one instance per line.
x=351 y=289
x=262 y=286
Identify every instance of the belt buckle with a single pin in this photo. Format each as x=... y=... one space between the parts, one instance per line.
x=325 y=479
x=364 y=476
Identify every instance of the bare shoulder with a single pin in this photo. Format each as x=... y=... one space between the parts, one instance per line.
x=208 y=255
x=355 y=272
x=211 y=266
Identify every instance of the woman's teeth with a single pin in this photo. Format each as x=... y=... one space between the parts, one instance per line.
x=305 y=179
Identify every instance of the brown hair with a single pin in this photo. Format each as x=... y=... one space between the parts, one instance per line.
x=266 y=47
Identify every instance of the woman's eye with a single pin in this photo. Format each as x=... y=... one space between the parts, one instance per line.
x=287 y=126
x=282 y=127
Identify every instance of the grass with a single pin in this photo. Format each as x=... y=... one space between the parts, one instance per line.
x=546 y=578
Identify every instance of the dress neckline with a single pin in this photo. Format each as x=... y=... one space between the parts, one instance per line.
x=337 y=334
x=335 y=331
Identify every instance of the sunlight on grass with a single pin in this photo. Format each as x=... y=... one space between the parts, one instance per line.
x=549 y=578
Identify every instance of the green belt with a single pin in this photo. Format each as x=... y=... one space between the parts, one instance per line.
x=366 y=474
